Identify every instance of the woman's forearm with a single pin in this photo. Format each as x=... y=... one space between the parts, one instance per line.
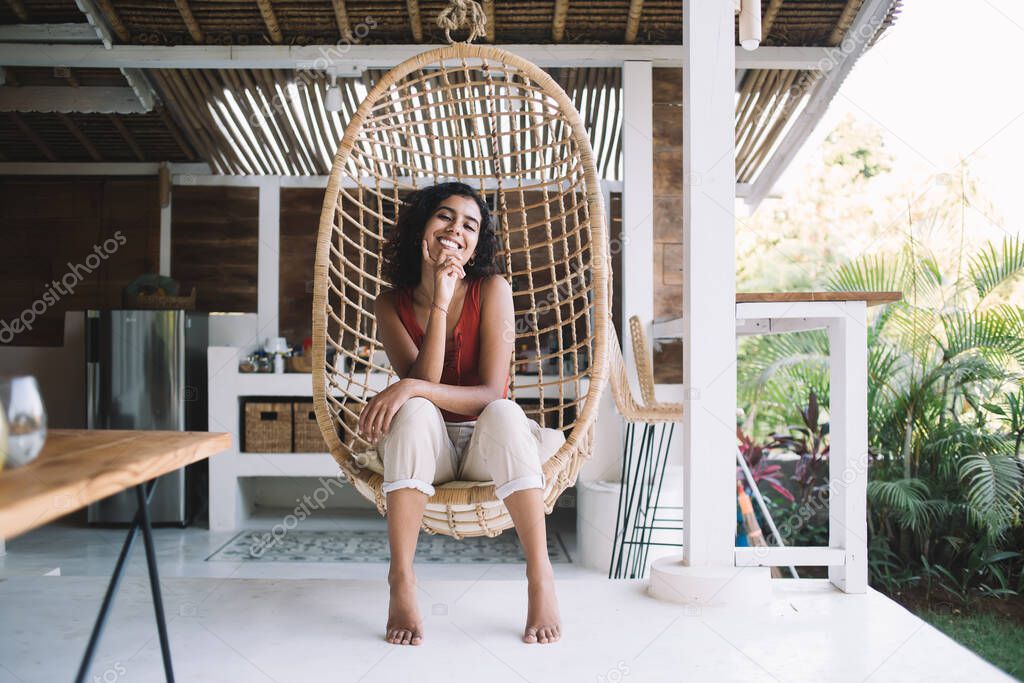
x=429 y=363
x=465 y=400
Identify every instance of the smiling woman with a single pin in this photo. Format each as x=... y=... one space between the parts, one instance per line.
x=448 y=329
x=403 y=250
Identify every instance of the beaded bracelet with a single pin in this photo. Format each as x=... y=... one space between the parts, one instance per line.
x=443 y=310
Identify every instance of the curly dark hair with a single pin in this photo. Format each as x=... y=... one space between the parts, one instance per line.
x=403 y=253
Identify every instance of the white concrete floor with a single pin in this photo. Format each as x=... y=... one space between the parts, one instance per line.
x=303 y=622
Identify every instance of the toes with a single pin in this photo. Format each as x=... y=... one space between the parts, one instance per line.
x=530 y=636
x=417 y=638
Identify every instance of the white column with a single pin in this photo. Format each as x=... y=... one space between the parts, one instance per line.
x=637 y=239
x=268 y=274
x=165 y=239
x=706 y=573
x=709 y=287
x=848 y=452
x=166 y=194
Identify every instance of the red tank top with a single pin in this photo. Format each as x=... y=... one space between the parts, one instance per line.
x=462 y=354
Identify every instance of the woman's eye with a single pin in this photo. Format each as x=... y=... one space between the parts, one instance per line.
x=469 y=227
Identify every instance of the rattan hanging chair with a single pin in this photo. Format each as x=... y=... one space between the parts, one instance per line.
x=483 y=116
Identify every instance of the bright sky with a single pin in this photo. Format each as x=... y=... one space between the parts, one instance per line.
x=943 y=84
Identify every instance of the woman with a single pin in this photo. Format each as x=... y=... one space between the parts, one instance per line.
x=448 y=330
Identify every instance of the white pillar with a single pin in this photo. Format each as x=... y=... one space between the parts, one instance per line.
x=268 y=273
x=166 y=194
x=165 y=240
x=706 y=573
x=848 y=455
x=637 y=240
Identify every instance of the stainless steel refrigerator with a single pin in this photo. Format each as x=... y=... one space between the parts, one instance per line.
x=147 y=370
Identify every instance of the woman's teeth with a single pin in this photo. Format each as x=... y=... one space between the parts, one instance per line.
x=448 y=243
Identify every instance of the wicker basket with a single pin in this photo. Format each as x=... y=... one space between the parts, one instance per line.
x=268 y=427
x=155 y=302
x=307 y=435
x=299 y=364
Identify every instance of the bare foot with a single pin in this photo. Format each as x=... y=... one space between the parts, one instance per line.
x=404 y=624
x=543 y=624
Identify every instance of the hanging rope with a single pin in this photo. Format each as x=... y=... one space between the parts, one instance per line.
x=463 y=14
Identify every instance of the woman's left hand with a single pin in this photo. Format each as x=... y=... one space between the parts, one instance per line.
x=375 y=419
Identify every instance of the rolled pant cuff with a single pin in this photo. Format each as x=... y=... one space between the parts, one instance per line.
x=417 y=484
x=534 y=481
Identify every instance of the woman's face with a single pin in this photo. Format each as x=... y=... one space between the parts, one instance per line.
x=454 y=225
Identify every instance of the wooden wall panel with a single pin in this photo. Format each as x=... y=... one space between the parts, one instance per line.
x=300 y=220
x=668 y=216
x=91 y=235
x=215 y=245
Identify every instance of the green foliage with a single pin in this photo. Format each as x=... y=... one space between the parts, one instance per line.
x=945 y=400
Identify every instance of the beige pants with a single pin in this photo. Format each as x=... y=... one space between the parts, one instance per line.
x=502 y=445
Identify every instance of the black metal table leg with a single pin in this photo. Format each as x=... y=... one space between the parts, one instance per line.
x=154 y=582
x=144 y=493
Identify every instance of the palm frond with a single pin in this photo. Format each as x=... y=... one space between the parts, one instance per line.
x=991 y=266
x=997 y=329
x=905 y=499
x=993 y=490
x=868 y=273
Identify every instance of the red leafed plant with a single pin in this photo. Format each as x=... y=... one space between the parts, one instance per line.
x=760 y=468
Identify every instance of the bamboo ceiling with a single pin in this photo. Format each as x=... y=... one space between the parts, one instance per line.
x=217 y=116
x=300 y=22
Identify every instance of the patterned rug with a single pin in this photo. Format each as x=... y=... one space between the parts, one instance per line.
x=372 y=546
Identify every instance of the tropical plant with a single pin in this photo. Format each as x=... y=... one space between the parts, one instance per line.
x=946 y=407
x=809 y=442
x=979 y=574
x=761 y=470
x=945 y=396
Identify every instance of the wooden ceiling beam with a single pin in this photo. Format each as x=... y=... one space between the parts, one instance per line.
x=845 y=20
x=558 y=23
x=270 y=20
x=27 y=131
x=74 y=32
x=382 y=56
x=415 y=21
x=489 y=13
x=19 y=10
x=190 y=20
x=341 y=17
x=636 y=9
x=139 y=83
x=768 y=20
x=68 y=99
x=127 y=136
x=80 y=136
x=108 y=15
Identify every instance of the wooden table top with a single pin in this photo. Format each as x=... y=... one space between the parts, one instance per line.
x=872 y=298
x=81 y=466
